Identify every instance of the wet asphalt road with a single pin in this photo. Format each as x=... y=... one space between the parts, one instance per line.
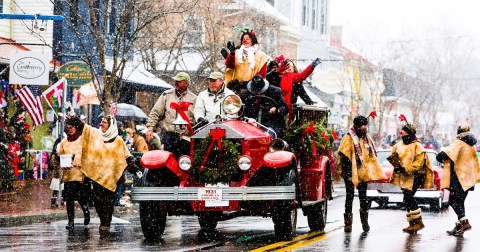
x=255 y=233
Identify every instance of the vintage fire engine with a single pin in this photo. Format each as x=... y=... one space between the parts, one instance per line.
x=236 y=168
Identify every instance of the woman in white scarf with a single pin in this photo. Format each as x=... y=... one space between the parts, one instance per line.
x=105 y=157
x=245 y=62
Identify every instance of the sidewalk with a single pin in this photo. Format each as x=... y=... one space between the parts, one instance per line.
x=30 y=203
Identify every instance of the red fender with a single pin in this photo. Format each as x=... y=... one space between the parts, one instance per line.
x=278 y=159
x=158 y=159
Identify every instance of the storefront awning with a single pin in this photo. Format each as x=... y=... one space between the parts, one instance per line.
x=140 y=79
x=7 y=47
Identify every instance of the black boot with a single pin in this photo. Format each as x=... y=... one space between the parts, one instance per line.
x=86 y=214
x=364 y=219
x=70 y=214
x=348 y=218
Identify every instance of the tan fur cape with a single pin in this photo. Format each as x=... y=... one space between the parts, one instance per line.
x=466 y=166
x=412 y=157
x=242 y=71
x=102 y=162
x=75 y=147
x=370 y=170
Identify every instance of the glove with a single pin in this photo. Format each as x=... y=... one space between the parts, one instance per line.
x=224 y=53
x=316 y=62
x=202 y=121
x=399 y=169
x=282 y=67
x=231 y=47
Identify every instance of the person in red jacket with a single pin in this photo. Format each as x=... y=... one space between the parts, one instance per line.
x=289 y=78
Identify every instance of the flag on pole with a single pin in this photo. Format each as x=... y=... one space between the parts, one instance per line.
x=30 y=99
x=54 y=94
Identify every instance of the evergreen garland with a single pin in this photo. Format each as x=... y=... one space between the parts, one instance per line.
x=221 y=166
x=302 y=143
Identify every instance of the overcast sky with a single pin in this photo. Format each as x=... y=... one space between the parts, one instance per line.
x=370 y=22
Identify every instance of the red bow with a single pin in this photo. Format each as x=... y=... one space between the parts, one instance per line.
x=217 y=134
x=310 y=131
x=373 y=114
x=403 y=118
x=181 y=108
x=325 y=136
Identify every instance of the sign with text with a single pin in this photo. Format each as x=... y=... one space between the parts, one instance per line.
x=77 y=73
x=29 y=68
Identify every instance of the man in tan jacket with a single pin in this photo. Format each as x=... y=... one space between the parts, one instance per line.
x=178 y=101
x=461 y=172
x=358 y=165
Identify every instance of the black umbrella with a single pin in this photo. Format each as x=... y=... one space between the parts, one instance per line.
x=126 y=112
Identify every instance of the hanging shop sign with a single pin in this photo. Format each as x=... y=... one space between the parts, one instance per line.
x=77 y=73
x=27 y=67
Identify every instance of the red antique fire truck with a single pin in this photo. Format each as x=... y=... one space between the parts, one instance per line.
x=236 y=168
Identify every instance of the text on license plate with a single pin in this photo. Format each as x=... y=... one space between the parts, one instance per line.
x=209 y=194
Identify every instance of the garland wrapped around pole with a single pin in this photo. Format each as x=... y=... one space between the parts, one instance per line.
x=216 y=158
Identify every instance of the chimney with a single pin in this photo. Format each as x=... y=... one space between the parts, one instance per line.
x=336 y=36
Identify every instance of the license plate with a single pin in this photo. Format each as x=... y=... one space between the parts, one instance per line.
x=209 y=194
x=395 y=198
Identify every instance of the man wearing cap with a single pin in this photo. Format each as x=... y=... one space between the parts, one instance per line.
x=209 y=102
x=166 y=110
x=461 y=171
x=264 y=103
x=412 y=170
x=357 y=163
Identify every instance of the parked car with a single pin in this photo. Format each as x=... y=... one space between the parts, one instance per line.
x=384 y=193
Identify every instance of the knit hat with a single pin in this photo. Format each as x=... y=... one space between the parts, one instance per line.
x=464 y=127
x=360 y=121
x=410 y=129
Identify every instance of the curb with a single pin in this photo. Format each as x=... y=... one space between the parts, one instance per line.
x=27 y=219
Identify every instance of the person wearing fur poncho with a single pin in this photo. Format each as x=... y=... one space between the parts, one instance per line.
x=461 y=171
x=357 y=164
x=104 y=158
x=412 y=171
x=245 y=62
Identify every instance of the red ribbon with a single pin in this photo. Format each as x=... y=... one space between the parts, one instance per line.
x=217 y=134
x=310 y=131
x=181 y=108
x=325 y=136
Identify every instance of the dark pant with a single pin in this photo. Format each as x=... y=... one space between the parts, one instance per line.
x=350 y=193
x=173 y=143
x=457 y=195
x=103 y=200
x=408 y=195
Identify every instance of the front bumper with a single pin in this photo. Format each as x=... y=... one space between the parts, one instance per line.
x=227 y=193
x=393 y=194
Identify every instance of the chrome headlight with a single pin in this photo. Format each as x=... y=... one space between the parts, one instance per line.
x=232 y=104
x=244 y=163
x=185 y=163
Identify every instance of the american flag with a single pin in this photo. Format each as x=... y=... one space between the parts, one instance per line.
x=31 y=100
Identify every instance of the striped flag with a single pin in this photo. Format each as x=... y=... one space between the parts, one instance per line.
x=31 y=100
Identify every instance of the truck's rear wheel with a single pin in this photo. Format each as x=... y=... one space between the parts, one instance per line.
x=317 y=216
x=284 y=220
x=208 y=221
x=153 y=218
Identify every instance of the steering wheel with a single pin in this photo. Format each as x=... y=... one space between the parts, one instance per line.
x=264 y=102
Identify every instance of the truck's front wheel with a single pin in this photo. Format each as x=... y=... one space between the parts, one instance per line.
x=208 y=221
x=284 y=220
x=153 y=218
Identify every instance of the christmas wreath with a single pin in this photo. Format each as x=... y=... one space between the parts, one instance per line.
x=313 y=138
x=216 y=158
